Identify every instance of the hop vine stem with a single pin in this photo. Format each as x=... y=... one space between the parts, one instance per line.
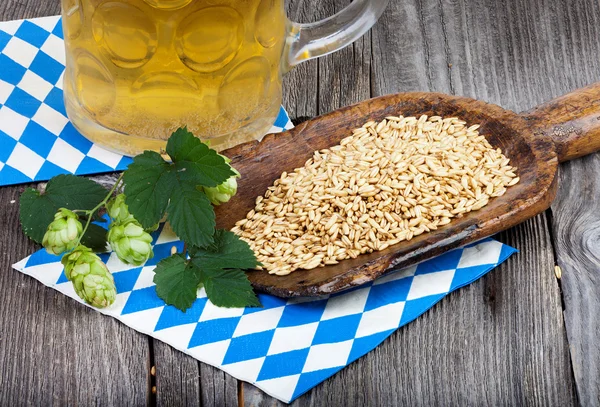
x=91 y=212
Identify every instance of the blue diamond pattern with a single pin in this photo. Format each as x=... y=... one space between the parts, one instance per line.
x=388 y=293
x=8 y=173
x=55 y=101
x=171 y=316
x=215 y=330
x=309 y=330
x=4 y=38
x=337 y=330
x=125 y=280
x=449 y=260
x=62 y=278
x=415 y=308
x=268 y=302
x=283 y=364
x=38 y=139
x=32 y=33
x=58 y=30
x=142 y=300
x=23 y=103
x=10 y=71
x=309 y=380
x=9 y=142
x=47 y=67
x=304 y=313
x=46 y=64
x=248 y=347
x=363 y=345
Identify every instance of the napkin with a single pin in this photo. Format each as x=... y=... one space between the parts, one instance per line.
x=289 y=345
x=37 y=141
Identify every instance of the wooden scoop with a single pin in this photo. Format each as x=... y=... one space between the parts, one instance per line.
x=536 y=141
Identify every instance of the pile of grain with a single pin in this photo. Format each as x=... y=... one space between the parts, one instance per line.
x=387 y=182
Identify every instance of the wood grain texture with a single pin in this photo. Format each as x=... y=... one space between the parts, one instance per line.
x=54 y=351
x=498 y=341
x=576 y=226
x=572 y=121
x=576 y=215
x=19 y=9
x=533 y=154
x=177 y=377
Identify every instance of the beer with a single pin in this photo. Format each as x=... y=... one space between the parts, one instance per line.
x=139 y=69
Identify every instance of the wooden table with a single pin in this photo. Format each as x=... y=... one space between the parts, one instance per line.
x=520 y=335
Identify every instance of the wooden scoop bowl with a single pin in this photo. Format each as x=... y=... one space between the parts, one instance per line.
x=536 y=141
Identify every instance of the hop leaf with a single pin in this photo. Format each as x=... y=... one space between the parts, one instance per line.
x=91 y=279
x=154 y=187
x=217 y=267
x=63 y=233
x=131 y=243
x=63 y=191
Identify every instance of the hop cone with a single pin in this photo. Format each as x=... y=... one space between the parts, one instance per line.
x=223 y=193
x=131 y=243
x=118 y=210
x=90 y=277
x=63 y=233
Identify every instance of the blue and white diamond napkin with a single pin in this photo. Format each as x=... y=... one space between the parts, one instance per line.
x=37 y=141
x=288 y=346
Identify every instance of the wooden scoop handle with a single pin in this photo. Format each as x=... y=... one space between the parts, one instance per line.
x=572 y=121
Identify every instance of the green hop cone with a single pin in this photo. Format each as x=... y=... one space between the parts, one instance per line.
x=131 y=243
x=90 y=277
x=118 y=210
x=223 y=193
x=63 y=233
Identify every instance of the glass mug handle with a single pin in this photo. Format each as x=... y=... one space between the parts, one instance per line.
x=308 y=41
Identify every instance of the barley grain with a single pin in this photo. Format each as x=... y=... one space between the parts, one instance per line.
x=387 y=182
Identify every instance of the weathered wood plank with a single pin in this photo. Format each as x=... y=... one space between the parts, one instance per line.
x=54 y=351
x=516 y=53
x=177 y=377
x=576 y=47
x=576 y=226
x=183 y=381
x=500 y=341
x=16 y=9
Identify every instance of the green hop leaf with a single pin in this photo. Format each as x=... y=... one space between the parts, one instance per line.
x=221 y=263
x=63 y=191
x=229 y=288
x=192 y=217
x=217 y=267
x=200 y=164
x=95 y=238
x=227 y=251
x=149 y=184
x=177 y=281
x=63 y=233
x=131 y=243
x=154 y=187
x=90 y=277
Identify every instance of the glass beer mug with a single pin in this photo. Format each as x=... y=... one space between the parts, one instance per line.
x=139 y=69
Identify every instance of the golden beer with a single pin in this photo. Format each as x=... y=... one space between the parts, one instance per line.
x=139 y=69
